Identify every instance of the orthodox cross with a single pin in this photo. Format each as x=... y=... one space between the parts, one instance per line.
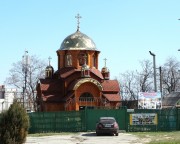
x=78 y=17
x=49 y=60
x=105 y=61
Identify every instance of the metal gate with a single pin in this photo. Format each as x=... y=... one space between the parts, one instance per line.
x=85 y=120
x=93 y=115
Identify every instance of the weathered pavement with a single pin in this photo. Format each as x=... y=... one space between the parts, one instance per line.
x=84 y=138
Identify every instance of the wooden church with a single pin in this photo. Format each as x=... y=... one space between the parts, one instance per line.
x=77 y=84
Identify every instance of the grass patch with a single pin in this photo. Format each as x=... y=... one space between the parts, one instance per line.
x=159 y=137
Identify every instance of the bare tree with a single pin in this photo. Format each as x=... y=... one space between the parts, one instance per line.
x=35 y=70
x=132 y=83
x=170 y=75
x=144 y=77
x=127 y=84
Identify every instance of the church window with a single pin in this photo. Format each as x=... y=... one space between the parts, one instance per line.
x=94 y=61
x=68 y=60
x=47 y=73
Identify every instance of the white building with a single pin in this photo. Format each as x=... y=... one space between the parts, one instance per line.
x=7 y=96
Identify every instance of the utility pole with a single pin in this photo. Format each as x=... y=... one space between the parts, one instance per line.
x=154 y=65
x=25 y=63
x=160 y=73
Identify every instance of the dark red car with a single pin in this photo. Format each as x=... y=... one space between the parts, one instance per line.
x=107 y=125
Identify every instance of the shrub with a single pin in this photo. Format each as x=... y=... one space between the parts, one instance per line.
x=14 y=125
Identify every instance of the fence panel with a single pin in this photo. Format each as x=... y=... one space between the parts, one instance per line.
x=152 y=120
x=178 y=118
x=167 y=120
x=93 y=115
x=85 y=120
x=57 y=121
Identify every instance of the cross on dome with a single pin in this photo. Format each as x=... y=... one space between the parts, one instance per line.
x=105 y=61
x=49 y=60
x=78 y=22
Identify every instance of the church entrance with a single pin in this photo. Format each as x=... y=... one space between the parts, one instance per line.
x=86 y=101
x=86 y=97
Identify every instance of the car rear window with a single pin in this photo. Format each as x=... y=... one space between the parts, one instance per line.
x=107 y=120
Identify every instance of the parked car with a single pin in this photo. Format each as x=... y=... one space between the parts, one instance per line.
x=29 y=111
x=107 y=125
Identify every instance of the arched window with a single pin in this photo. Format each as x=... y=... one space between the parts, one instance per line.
x=68 y=60
x=86 y=97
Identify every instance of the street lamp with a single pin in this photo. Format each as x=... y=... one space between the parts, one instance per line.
x=154 y=65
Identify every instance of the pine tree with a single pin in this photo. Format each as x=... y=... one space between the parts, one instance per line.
x=14 y=125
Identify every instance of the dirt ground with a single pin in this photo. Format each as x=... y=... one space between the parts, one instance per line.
x=85 y=138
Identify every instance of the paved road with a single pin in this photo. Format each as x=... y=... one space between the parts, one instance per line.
x=84 y=138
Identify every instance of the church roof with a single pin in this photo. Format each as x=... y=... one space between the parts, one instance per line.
x=67 y=71
x=112 y=97
x=51 y=85
x=78 y=41
x=97 y=72
x=52 y=90
x=110 y=86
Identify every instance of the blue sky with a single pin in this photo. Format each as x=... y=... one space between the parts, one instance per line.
x=123 y=30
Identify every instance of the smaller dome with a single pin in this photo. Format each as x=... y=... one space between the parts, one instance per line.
x=78 y=41
x=49 y=68
x=105 y=73
x=104 y=70
x=49 y=72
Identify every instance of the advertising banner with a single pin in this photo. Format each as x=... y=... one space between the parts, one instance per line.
x=149 y=100
x=143 y=119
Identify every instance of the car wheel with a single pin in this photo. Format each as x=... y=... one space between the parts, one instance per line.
x=117 y=134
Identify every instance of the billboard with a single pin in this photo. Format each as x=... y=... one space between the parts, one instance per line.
x=149 y=100
x=143 y=119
